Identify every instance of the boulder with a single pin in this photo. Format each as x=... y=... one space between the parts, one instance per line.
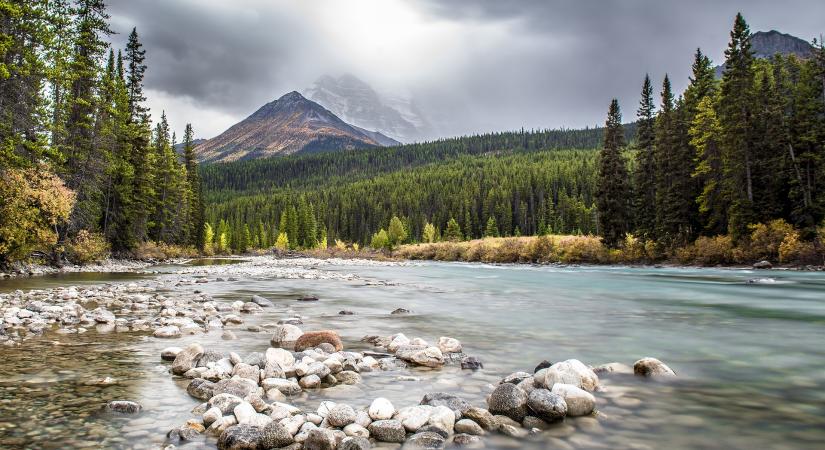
x=425 y=440
x=187 y=359
x=201 y=389
x=652 y=367
x=482 y=417
x=571 y=371
x=308 y=298
x=442 y=418
x=613 y=368
x=387 y=431
x=451 y=401
x=468 y=426
x=515 y=378
x=381 y=409
x=285 y=335
x=170 y=331
x=449 y=345
x=348 y=377
x=341 y=415
x=471 y=363
x=260 y=301
x=169 y=353
x=211 y=415
x=286 y=387
x=508 y=400
x=400 y=311
x=542 y=365
x=427 y=357
x=312 y=339
x=357 y=430
x=467 y=440
x=246 y=371
x=579 y=402
x=320 y=439
x=546 y=405
x=355 y=443
x=413 y=417
x=244 y=412
x=240 y=387
x=283 y=358
x=310 y=382
x=225 y=402
x=275 y=435
x=240 y=437
x=763 y=265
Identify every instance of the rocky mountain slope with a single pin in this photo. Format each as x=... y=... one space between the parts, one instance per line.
x=765 y=44
x=290 y=124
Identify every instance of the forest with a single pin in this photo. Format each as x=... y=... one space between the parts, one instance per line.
x=727 y=159
x=83 y=169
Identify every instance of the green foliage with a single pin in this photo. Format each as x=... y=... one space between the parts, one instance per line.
x=87 y=247
x=613 y=194
x=283 y=242
x=429 y=235
x=396 y=233
x=380 y=240
x=491 y=230
x=453 y=231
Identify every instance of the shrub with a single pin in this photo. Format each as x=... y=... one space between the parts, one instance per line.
x=151 y=250
x=578 y=249
x=794 y=250
x=633 y=250
x=509 y=251
x=380 y=240
x=87 y=247
x=541 y=249
x=708 y=251
x=766 y=239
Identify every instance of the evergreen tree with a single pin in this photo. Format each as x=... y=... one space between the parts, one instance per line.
x=453 y=231
x=736 y=123
x=429 y=233
x=612 y=192
x=491 y=230
x=195 y=215
x=396 y=233
x=645 y=169
x=136 y=55
x=705 y=131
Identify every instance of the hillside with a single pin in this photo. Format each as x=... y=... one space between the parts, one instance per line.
x=765 y=44
x=291 y=124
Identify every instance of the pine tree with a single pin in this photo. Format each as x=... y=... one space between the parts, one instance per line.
x=645 y=169
x=453 y=231
x=429 y=234
x=736 y=122
x=396 y=232
x=612 y=191
x=195 y=215
x=705 y=132
x=136 y=56
x=491 y=230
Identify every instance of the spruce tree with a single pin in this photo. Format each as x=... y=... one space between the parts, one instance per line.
x=736 y=122
x=613 y=189
x=195 y=215
x=705 y=132
x=491 y=230
x=645 y=169
x=453 y=231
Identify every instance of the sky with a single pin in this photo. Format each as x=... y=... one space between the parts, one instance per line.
x=471 y=66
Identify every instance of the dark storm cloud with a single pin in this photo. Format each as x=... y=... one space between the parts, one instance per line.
x=523 y=63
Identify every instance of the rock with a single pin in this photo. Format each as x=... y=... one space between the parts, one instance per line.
x=124 y=407
x=542 y=365
x=341 y=416
x=482 y=417
x=275 y=435
x=244 y=412
x=346 y=313
x=167 y=332
x=240 y=437
x=240 y=387
x=286 y=387
x=348 y=377
x=579 y=402
x=547 y=405
x=285 y=335
x=471 y=363
x=169 y=353
x=320 y=439
x=228 y=335
x=201 y=389
x=533 y=422
x=449 y=345
x=572 y=372
x=381 y=409
x=355 y=443
x=425 y=440
x=413 y=417
x=310 y=382
x=280 y=356
x=443 y=418
x=244 y=370
x=396 y=342
x=356 y=430
x=652 y=367
x=308 y=298
x=225 y=402
x=613 y=368
x=515 y=378
x=763 y=265
x=511 y=430
x=401 y=311
x=221 y=425
x=209 y=356
x=312 y=339
x=255 y=359
x=102 y=315
x=508 y=400
x=451 y=401
x=187 y=359
x=387 y=431
x=427 y=357
x=468 y=426
x=260 y=301
x=467 y=440
x=211 y=415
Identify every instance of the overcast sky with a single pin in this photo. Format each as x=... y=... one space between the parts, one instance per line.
x=486 y=65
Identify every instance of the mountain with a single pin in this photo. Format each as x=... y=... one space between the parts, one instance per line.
x=289 y=125
x=765 y=44
x=359 y=104
x=195 y=142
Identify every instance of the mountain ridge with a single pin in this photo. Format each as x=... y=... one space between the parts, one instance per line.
x=285 y=126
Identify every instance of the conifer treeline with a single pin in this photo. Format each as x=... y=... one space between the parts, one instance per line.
x=74 y=108
x=725 y=155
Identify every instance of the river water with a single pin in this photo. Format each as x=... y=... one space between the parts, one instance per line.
x=748 y=348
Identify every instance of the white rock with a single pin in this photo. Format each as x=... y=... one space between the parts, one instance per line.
x=280 y=356
x=579 y=402
x=443 y=418
x=413 y=417
x=381 y=409
x=572 y=372
x=449 y=345
x=211 y=415
x=398 y=341
x=244 y=412
x=356 y=430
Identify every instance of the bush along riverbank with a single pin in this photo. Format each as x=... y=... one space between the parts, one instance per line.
x=772 y=244
x=246 y=399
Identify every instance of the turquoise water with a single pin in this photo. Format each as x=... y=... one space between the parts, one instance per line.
x=747 y=346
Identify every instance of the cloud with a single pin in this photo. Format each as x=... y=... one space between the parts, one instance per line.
x=473 y=66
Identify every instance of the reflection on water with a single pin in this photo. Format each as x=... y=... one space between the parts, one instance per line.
x=214 y=261
x=66 y=279
x=749 y=356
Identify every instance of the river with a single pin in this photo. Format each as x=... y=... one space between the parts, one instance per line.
x=747 y=347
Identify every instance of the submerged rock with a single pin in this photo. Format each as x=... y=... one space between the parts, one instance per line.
x=187 y=359
x=124 y=406
x=285 y=335
x=451 y=401
x=547 y=405
x=313 y=339
x=571 y=371
x=260 y=301
x=471 y=363
x=652 y=367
